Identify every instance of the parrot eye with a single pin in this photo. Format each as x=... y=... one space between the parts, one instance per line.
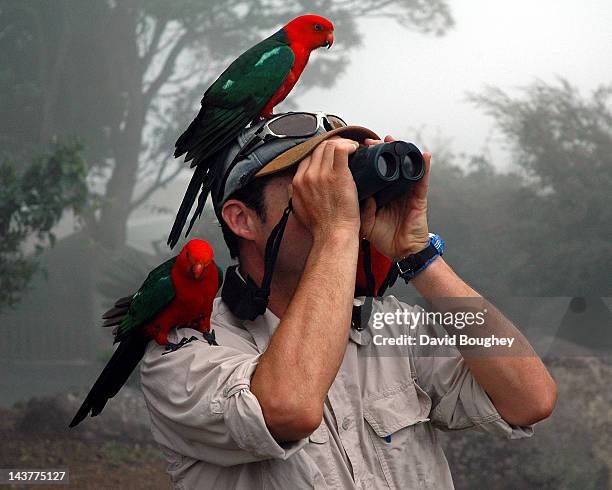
x=318 y=27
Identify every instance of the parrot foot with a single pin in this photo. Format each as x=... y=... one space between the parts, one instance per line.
x=210 y=337
x=171 y=346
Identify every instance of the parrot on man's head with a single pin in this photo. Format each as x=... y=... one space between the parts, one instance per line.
x=177 y=293
x=248 y=89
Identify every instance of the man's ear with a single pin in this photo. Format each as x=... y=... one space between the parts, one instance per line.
x=241 y=219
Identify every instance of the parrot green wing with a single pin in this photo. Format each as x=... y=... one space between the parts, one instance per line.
x=258 y=73
x=156 y=292
x=237 y=97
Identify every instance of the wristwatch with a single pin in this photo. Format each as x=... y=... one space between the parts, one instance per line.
x=414 y=263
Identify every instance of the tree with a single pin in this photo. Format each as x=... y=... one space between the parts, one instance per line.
x=126 y=76
x=563 y=144
x=32 y=201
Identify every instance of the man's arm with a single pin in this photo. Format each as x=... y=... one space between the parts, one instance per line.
x=518 y=383
x=297 y=369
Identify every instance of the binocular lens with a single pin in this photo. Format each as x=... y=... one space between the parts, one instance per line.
x=386 y=171
x=386 y=166
x=409 y=169
x=407 y=166
x=412 y=163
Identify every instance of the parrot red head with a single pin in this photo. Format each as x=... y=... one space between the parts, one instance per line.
x=194 y=258
x=311 y=31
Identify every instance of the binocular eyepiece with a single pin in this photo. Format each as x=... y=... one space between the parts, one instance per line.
x=386 y=171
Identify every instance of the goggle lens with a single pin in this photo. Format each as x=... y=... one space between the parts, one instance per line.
x=294 y=125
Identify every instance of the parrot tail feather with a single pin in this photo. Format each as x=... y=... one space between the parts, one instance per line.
x=200 y=142
x=115 y=312
x=188 y=199
x=125 y=301
x=111 y=322
x=114 y=375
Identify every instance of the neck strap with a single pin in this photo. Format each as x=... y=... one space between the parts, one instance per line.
x=246 y=300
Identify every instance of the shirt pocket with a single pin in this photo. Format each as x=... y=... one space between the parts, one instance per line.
x=396 y=407
x=395 y=419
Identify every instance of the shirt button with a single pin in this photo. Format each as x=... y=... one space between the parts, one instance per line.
x=346 y=423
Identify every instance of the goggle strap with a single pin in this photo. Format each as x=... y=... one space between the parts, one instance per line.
x=272 y=248
x=261 y=295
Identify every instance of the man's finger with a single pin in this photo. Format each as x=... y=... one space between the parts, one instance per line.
x=421 y=188
x=371 y=141
x=343 y=148
x=302 y=167
x=327 y=162
x=315 y=159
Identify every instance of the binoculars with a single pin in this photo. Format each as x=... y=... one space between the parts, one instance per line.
x=386 y=171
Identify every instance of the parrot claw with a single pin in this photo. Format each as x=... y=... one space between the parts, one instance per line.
x=210 y=337
x=171 y=346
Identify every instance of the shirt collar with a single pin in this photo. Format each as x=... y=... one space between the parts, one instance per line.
x=263 y=326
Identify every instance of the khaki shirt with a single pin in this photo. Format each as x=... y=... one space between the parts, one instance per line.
x=379 y=423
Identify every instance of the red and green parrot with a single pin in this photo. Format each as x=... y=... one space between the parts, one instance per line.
x=248 y=89
x=179 y=292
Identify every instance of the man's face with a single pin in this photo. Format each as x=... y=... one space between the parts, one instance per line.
x=297 y=240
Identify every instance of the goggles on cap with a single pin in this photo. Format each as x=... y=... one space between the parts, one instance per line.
x=288 y=125
x=291 y=125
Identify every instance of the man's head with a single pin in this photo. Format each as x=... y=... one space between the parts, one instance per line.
x=251 y=190
x=250 y=215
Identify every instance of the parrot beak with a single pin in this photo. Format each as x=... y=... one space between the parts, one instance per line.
x=329 y=41
x=197 y=269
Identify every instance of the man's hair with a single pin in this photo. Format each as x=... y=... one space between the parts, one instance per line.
x=253 y=196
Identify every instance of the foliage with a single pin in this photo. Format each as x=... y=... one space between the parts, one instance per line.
x=475 y=208
x=568 y=451
x=563 y=143
x=32 y=201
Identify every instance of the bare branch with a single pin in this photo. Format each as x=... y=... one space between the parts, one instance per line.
x=158 y=183
x=160 y=27
x=168 y=67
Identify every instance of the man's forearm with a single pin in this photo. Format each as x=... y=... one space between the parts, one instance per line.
x=518 y=383
x=297 y=369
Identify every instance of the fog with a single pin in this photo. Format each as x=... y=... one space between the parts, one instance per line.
x=514 y=100
x=404 y=83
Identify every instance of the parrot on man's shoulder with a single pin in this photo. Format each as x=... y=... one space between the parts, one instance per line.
x=177 y=293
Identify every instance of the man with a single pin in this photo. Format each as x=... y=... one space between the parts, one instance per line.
x=295 y=397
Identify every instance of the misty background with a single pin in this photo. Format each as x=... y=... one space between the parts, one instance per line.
x=513 y=100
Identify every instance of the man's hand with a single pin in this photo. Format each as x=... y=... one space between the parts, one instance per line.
x=399 y=228
x=323 y=191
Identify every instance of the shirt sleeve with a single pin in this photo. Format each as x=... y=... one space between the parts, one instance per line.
x=201 y=405
x=458 y=401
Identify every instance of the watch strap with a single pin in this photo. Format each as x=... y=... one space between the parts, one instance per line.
x=414 y=263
